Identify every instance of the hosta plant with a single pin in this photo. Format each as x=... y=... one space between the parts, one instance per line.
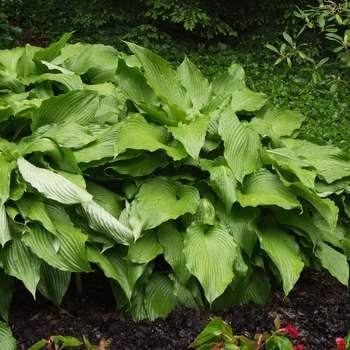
x=184 y=192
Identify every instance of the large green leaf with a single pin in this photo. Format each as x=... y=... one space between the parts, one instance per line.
x=7 y=341
x=6 y=290
x=53 y=50
x=136 y=133
x=192 y=135
x=222 y=180
x=32 y=209
x=75 y=106
x=114 y=266
x=265 y=188
x=53 y=283
x=172 y=241
x=66 y=250
x=242 y=145
x=196 y=84
x=100 y=220
x=70 y=82
x=282 y=249
x=210 y=253
x=159 y=295
x=247 y=100
x=324 y=206
x=18 y=261
x=335 y=262
x=145 y=249
x=329 y=162
x=8 y=61
x=81 y=58
x=283 y=122
x=162 y=199
x=163 y=80
x=237 y=220
x=52 y=185
x=229 y=81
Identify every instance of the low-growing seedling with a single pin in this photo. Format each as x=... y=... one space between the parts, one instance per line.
x=218 y=335
x=59 y=342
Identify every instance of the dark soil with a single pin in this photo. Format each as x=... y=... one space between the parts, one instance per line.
x=318 y=306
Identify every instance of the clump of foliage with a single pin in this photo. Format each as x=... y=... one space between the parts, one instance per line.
x=184 y=192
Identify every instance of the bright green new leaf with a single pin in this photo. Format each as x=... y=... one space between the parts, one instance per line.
x=282 y=249
x=6 y=290
x=328 y=257
x=52 y=185
x=210 y=253
x=18 y=261
x=115 y=266
x=172 y=241
x=7 y=341
x=247 y=100
x=75 y=106
x=265 y=188
x=162 y=199
x=242 y=145
x=53 y=283
x=159 y=296
x=192 y=135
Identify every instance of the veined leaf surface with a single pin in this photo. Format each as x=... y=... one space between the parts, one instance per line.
x=242 y=145
x=210 y=253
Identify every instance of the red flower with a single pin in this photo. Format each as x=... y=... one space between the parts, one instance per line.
x=290 y=329
x=341 y=344
x=298 y=347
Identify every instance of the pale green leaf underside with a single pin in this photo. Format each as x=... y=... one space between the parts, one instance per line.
x=52 y=185
x=247 y=100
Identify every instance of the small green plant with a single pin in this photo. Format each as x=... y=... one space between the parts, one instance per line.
x=218 y=335
x=59 y=342
x=328 y=21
